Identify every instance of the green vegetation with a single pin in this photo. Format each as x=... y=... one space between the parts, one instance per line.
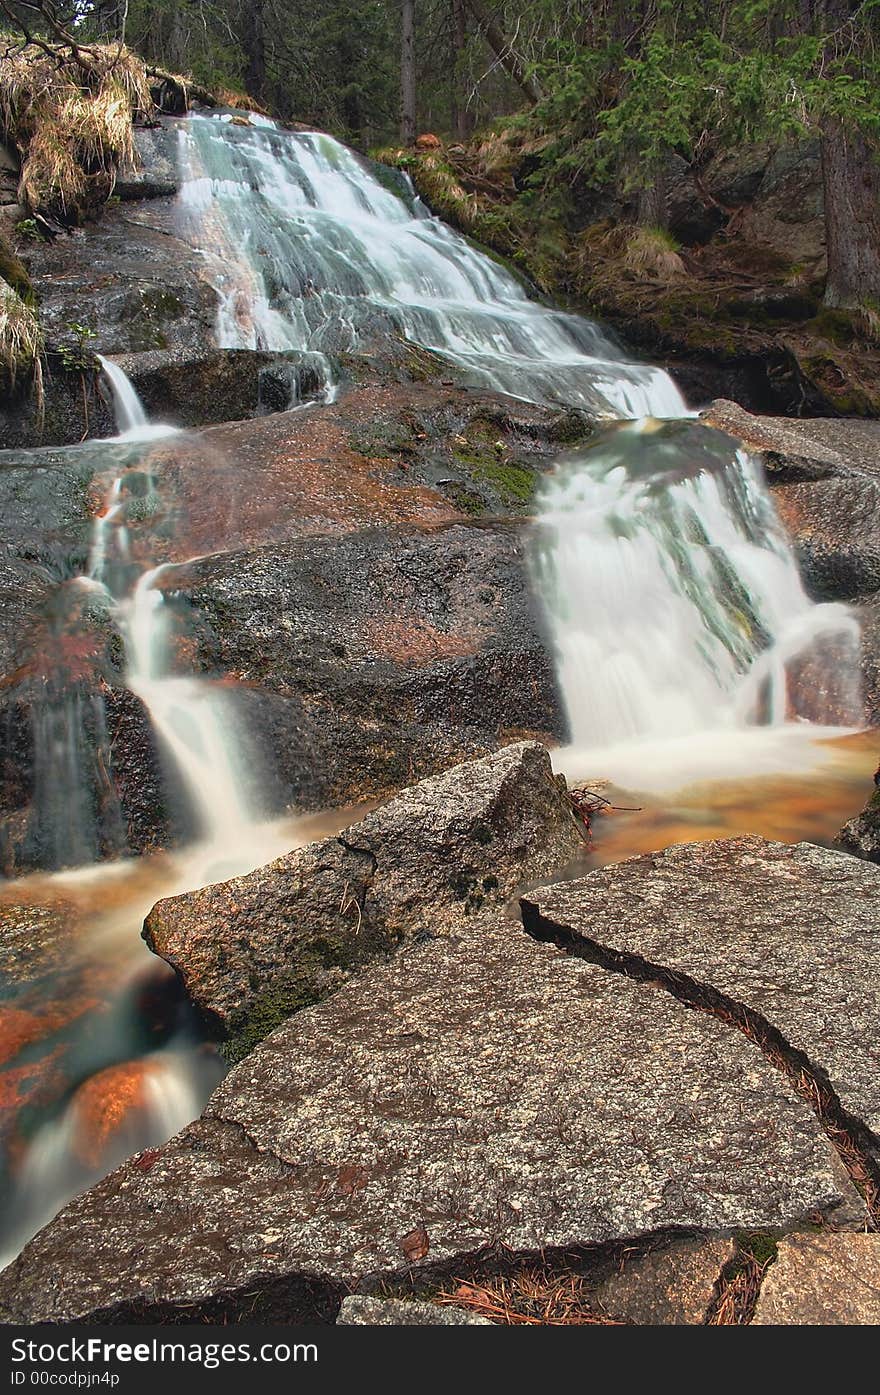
x=249 y=1026
x=76 y=356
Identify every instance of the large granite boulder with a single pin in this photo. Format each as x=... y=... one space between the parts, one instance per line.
x=782 y=940
x=477 y=1100
x=252 y=950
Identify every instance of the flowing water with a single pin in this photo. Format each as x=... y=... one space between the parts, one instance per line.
x=687 y=647
x=310 y=251
x=698 y=677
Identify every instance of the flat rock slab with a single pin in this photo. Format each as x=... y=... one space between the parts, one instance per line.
x=404 y=1312
x=669 y=1286
x=423 y=864
x=822 y=1280
x=791 y=932
x=476 y=1091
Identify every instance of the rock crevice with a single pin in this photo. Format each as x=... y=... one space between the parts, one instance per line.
x=855 y=1141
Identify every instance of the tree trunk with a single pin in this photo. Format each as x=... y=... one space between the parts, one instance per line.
x=460 y=117
x=176 y=53
x=851 y=181
x=510 y=61
x=408 y=73
x=651 y=211
x=254 y=45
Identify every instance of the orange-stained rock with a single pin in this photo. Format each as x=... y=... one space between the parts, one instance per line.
x=103 y=1107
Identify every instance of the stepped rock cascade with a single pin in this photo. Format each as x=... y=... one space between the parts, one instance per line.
x=675 y=601
x=194 y=722
x=310 y=251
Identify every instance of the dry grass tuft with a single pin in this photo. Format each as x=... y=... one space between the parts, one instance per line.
x=651 y=252
x=71 y=120
x=607 y=253
x=21 y=338
x=531 y=1297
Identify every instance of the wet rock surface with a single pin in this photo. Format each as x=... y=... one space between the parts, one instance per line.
x=477 y=1095
x=368 y=586
x=379 y=658
x=822 y=1280
x=253 y=950
x=129 y=278
x=791 y=933
x=861 y=835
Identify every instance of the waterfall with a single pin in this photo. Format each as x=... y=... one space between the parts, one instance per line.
x=194 y=722
x=675 y=603
x=673 y=597
x=308 y=250
x=131 y=419
x=130 y=415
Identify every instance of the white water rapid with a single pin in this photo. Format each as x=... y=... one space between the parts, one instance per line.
x=310 y=251
x=686 y=643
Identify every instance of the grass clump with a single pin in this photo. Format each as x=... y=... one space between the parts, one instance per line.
x=21 y=338
x=652 y=252
x=69 y=114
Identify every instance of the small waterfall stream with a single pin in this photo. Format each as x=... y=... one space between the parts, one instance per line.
x=130 y=415
x=115 y=1097
x=677 y=611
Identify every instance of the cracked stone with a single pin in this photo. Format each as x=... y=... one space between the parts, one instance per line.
x=478 y=1090
x=822 y=1280
x=667 y=1286
x=252 y=950
x=791 y=932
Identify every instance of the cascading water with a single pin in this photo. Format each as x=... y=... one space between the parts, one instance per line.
x=123 y=1099
x=310 y=251
x=131 y=419
x=673 y=597
x=194 y=723
x=676 y=606
x=130 y=415
x=114 y=1113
